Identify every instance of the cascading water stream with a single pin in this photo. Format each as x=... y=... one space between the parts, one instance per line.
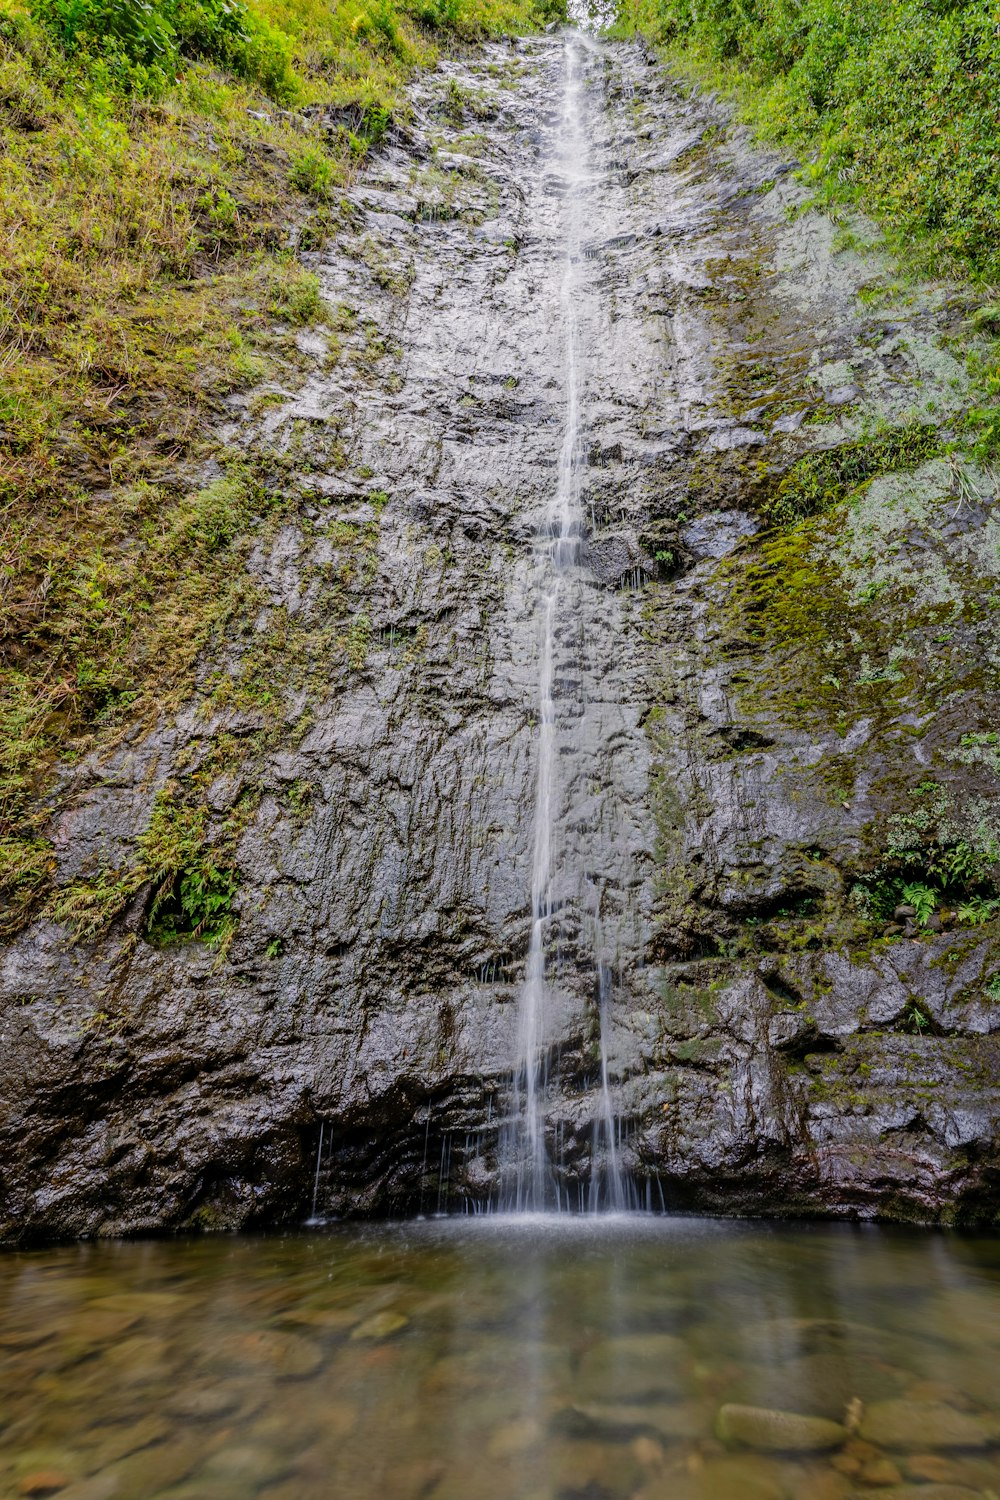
x=532 y=1182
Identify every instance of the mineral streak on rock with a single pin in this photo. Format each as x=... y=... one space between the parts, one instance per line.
x=764 y=691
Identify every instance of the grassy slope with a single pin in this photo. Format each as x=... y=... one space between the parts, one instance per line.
x=147 y=225
x=897 y=98
x=895 y=107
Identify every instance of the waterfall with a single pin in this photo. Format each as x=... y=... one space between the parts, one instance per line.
x=531 y=1181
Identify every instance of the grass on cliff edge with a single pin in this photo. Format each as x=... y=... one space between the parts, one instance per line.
x=893 y=104
x=896 y=98
x=161 y=161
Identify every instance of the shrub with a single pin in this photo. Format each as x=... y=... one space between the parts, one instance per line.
x=141 y=42
x=312 y=173
x=230 y=33
x=297 y=297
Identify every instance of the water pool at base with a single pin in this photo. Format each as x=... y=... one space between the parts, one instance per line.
x=492 y=1359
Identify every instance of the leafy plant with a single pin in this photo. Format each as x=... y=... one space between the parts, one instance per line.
x=935 y=857
x=194 y=903
x=192 y=879
x=915 y=1020
x=312 y=173
x=922 y=898
x=977 y=910
x=142 y=41
x=296 y=296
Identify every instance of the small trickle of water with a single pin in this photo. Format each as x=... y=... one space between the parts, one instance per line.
x=531 y=1182
x=319 y=1159
x=609 y=1186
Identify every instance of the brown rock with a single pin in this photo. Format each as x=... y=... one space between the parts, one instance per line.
x=728 y=1478
x=920 y=1492
x=113 y=1443
x=924 y=1424
x=615 y=1421
x=286 y=1356
x=154 y=1469
x=815 y=1483
x=632 y=1366
x=861 y=1451
x=934 y=1467
x=938 y=1390
x=44 y=1482
x=777 y=1431
x=648 y=1451
x=381 y=1326
x=880 y=1471
x=98 y=1487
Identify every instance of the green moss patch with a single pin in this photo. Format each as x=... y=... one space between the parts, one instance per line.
x=821 y=480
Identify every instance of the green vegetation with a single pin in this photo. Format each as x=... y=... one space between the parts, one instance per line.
x=130 y=603
x=820 y=480
x=192 y=879
x=896 y=98
x=159 y=158
x=937 y=859
x=139 y=46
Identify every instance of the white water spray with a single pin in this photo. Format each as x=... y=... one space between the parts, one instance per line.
x=319 y=1158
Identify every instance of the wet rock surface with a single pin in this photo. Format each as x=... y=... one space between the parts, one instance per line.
x=762 y=700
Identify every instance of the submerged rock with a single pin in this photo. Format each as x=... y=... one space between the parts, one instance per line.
x=777 y=1431
x=635 y=1366
x=285 y=1356
x=381 y=1325
x=920 y=1492
x=926 y=1424
x=718 y=1479
x=619 y=1421
x=822 y=1384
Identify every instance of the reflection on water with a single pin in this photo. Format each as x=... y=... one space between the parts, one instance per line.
x=506 y=1360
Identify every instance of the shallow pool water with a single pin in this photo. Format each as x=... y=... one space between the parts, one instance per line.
x=499 y=1359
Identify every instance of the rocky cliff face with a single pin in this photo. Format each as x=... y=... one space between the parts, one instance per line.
x=779 y=792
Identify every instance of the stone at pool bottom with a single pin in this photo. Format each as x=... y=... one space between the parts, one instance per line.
x=919 y=1492
x=729 y=1478
x=617 y=1421
x=777 y=1431
x=633 y=1366
x=926 y=1424
x=820 y=1384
